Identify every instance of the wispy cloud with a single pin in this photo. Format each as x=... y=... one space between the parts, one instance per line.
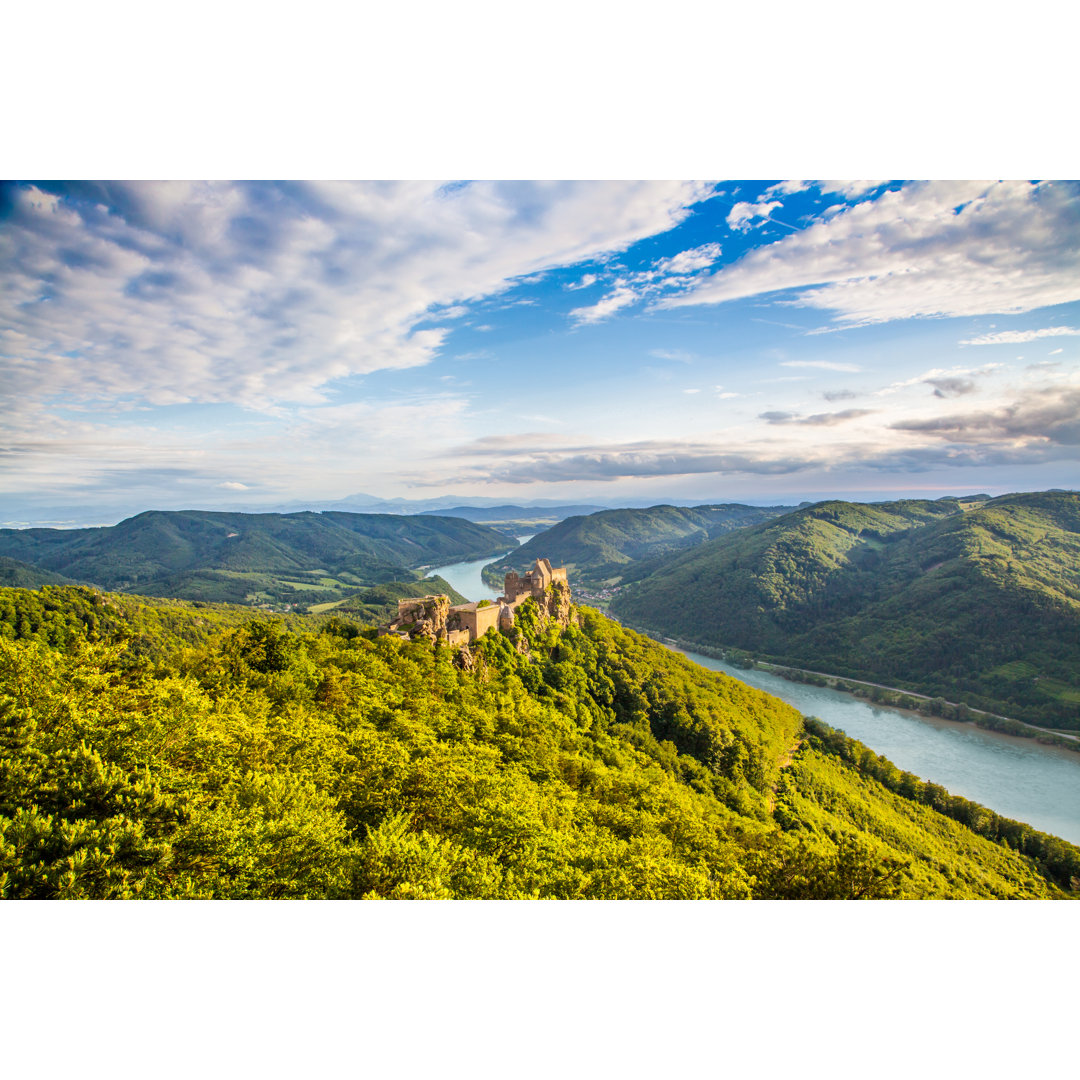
x=951 y=387
x=940 y=378
x=816 y=420
x=825 y=365
x=689 y=261
x=850 y=189
x=620 y=297
x=584 y=283
x=785 y=187
x=1019 y=337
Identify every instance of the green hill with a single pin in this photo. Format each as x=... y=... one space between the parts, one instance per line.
x=163 y=749
x=284 y=559
x=20 y=575
x=976 y=602
x=604 y=548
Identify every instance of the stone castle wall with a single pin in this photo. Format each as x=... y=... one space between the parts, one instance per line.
x=432 y=617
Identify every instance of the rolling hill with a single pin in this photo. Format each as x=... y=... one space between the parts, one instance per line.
x=975 y=601
x=602 y=548
x=284 y=558
x=21 y=575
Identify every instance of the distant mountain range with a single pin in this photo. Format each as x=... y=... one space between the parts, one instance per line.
x=237 y=558
x=509 y=512
x=974 y=600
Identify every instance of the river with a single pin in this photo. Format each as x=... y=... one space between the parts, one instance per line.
x=1018 y=778
x=465 y=576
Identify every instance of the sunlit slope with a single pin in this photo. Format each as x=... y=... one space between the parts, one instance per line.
x=980 y=605
x=162 y=750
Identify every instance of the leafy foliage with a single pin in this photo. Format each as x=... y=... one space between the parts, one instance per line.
x=162 y=749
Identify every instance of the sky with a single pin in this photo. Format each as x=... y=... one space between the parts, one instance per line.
x=202 y=345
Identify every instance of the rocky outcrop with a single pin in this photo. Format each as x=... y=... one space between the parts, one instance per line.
x=423 y=617
x=557 y=602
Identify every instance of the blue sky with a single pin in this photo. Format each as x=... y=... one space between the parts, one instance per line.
x=190 y=344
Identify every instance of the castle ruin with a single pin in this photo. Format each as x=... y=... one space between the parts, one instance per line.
x=433 y=617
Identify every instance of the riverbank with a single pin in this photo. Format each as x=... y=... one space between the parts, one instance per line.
x=877 y=693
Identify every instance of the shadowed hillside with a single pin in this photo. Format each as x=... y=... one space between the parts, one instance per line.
x=603 y=548
x=980 y=605
x=20 y=575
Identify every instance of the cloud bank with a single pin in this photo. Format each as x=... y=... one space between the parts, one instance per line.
x=929 y=249
x=253 y=293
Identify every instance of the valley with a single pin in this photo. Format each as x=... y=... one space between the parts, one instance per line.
x=1035 y=782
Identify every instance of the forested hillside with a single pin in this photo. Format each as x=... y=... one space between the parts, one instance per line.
x=603 y=548
x=162 y=749
x=979 y=605
x=301 y=558
x=20 y=575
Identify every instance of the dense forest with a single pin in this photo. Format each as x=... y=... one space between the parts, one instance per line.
x=608 y=547
x=280 y=559
x=977 y=602
x=159 y=748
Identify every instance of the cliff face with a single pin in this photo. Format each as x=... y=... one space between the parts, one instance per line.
x=426 y=617
x=557 y=602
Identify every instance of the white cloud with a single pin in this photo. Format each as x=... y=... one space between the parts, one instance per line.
x=743 y=214
x=677 y=355
x=850 y=189
x=694 y=390
x=233 y=485
x=584 y=283
x=827 y=365
x=686 y=262
x=937 y=248
x=1018 y=337
x=1054 y=352
x=785 y=187
x=256 y=292
x=931 y=378
x=621 y=297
